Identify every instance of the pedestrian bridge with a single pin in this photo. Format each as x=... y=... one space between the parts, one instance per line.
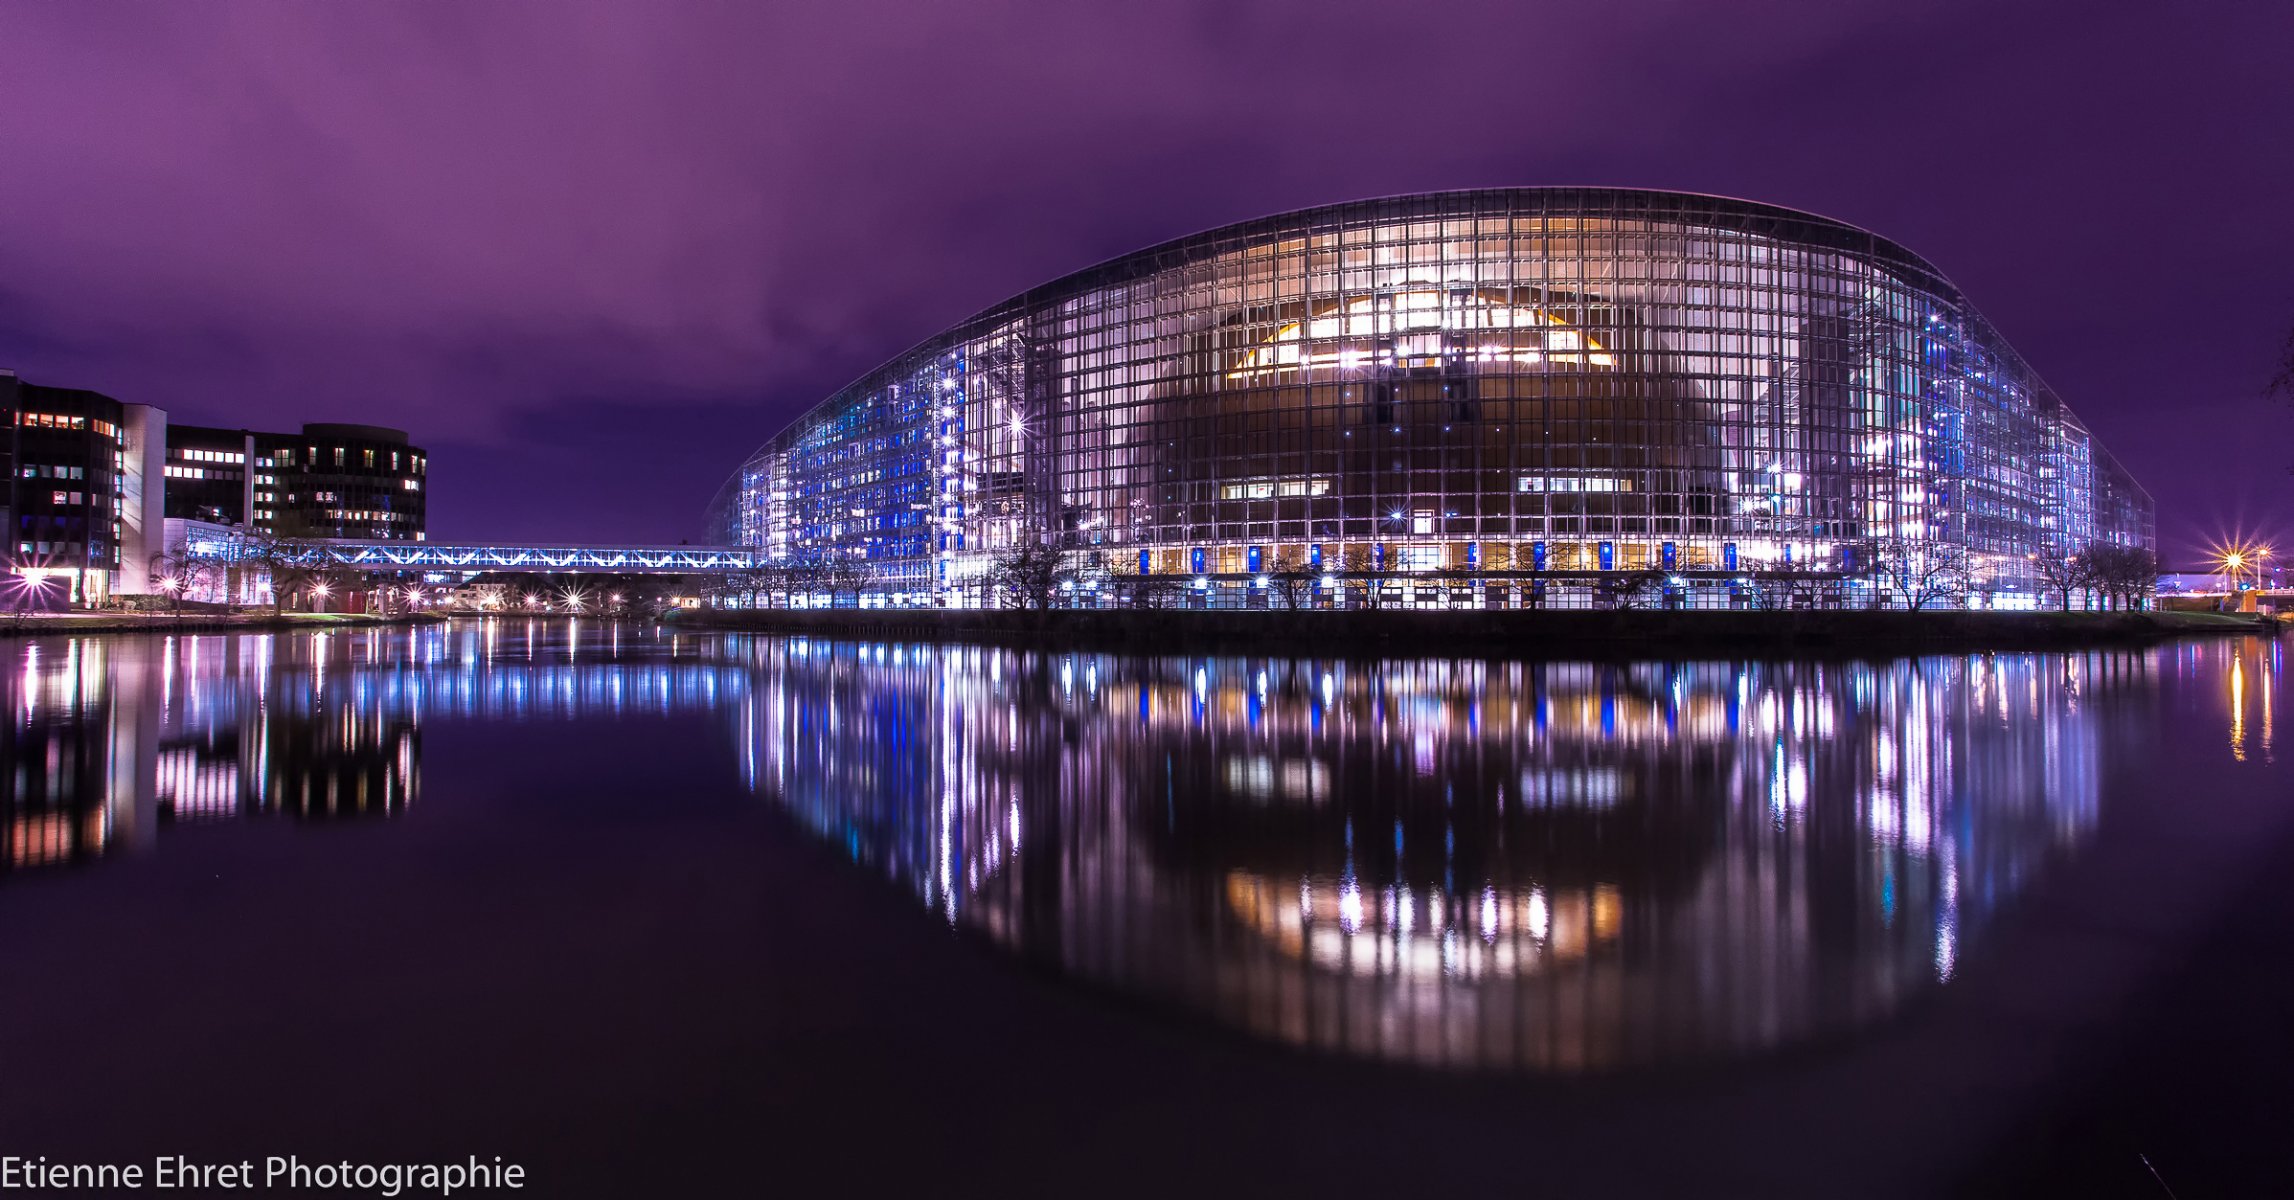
x=536 y=557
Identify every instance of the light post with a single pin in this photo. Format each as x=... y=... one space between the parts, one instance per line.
x=319 y=593
x=2239 y=561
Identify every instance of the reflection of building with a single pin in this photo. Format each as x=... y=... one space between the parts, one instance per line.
x=1528 y=382
x=111 y=738
x=1541 y=866
x=1556 y=866
x=338 y=481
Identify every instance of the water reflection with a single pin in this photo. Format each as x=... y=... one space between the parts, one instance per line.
x=113 y=738
x=1546 y=866
x=1554 y=867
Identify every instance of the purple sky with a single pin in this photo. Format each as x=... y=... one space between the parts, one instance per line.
x=591 y=254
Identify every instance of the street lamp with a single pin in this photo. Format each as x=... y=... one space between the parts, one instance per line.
x=2240 y=560
x=30 y=592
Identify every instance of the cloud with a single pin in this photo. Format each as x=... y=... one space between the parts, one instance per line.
x=450 y=216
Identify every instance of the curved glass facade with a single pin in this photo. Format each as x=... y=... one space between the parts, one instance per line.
x=1527 y=389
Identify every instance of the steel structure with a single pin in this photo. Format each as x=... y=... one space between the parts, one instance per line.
x=539 y=558
x=1525 y=386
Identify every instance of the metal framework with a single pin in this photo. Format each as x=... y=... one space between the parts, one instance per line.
x=1539 y=388
x=549 y=558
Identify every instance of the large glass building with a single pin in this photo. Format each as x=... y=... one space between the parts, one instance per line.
x=1523 y=394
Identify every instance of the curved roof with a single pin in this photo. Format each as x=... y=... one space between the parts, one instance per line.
x=1720 y=212
x=1701 y=209
x=1748 y=216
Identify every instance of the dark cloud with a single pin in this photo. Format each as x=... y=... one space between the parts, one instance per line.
x=590 y=252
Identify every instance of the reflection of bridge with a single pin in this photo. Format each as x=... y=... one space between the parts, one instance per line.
x=543 y=557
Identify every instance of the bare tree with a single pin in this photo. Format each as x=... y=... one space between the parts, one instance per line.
x=843 y=573
x=1292 y=580
x=776 y=582
x=2123 y=574
x=1028 y=574
x=1628 y=589
x=1923 y=573
x=291 y=564
x=2133 y=576
x=177 y=575
x=804 y=577
x=1369 y=570
x=2061 y=574
x=741 y=588
x=1790 y=584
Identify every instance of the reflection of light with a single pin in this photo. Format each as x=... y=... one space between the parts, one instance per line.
x=2238 y=707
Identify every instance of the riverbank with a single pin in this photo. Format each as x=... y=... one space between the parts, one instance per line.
x=56 y=624
x=1514 y=631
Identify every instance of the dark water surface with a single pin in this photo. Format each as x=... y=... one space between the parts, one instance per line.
x=701 y=914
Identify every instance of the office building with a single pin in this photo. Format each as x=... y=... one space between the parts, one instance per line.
x=1532 y=388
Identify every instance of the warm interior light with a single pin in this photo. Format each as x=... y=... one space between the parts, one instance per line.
x=1420 y=325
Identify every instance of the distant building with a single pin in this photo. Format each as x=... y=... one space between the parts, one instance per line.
x=334 y=481
x=92 y=485
x=83 y=503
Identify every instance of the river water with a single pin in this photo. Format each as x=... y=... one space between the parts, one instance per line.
x=694 y=910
